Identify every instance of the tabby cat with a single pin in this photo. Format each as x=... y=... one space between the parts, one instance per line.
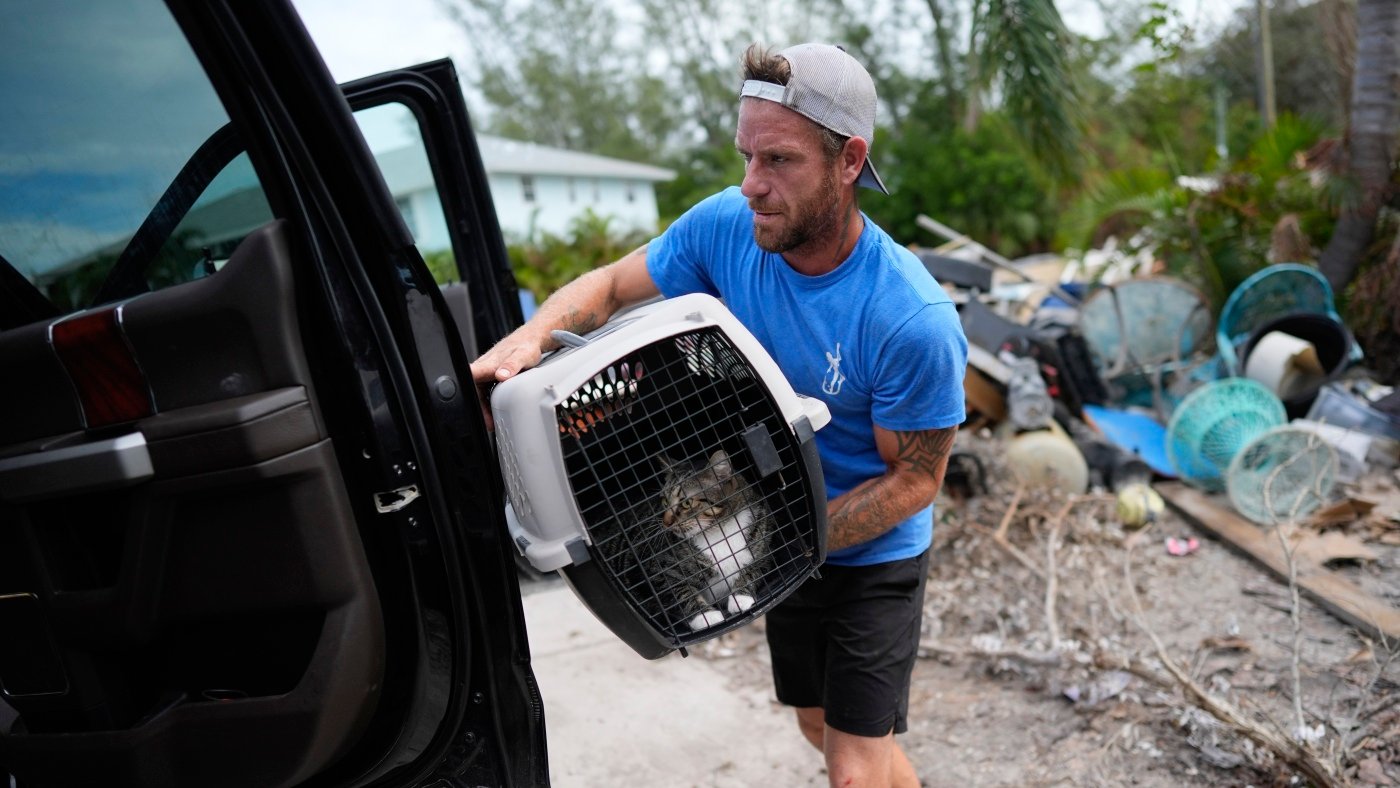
x=703 y=552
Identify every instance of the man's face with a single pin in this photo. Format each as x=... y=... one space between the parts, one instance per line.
x=791 y=186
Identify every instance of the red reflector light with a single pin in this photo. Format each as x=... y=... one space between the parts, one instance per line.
x=110 y=384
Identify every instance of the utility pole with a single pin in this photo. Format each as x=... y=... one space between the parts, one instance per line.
x=1266 y=66
x=1222 y=140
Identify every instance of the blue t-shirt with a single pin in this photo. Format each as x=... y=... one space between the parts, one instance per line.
x=876 y=339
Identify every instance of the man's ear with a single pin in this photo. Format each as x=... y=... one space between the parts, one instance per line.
x=853 y=155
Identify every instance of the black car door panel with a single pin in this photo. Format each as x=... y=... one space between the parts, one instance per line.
x=213 y=619
x=251 y=525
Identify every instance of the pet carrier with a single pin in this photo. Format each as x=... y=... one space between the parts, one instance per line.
x=666 y=468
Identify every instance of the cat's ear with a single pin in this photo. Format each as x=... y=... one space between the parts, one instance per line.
x=666 y=464
x=720 y=465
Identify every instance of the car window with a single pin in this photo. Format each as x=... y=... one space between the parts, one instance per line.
x=232 y=206
x=94 y=129
x=396 y=140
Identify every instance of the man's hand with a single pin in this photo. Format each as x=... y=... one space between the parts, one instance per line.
x=914 y=466
x=579 y=307
x=511 y=356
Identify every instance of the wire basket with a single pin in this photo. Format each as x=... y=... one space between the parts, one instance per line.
x=1282 y=475
x=1214 y=423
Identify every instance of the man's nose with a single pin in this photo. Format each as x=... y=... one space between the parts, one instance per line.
x=754 y=185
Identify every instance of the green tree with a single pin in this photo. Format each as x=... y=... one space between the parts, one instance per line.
x=551 y=73
x=1215 y=232
x=1308 y=80
x=980 y=182
x=548 y=262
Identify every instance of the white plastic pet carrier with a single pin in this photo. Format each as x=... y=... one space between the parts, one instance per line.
x=666 y=468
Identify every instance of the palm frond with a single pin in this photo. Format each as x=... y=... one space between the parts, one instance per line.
x=1128 y=197
x=1025 y=47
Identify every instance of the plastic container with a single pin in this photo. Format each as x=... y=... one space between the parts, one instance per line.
x=1337 y=407
x=1330 y=340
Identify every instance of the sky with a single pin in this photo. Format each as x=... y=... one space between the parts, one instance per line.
x=362 y=37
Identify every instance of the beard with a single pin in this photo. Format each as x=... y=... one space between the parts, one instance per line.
x=808 y=220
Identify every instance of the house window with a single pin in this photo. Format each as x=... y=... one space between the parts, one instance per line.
x=596 y=196
x=631 y=192
x=527 y=188
x=572 y=195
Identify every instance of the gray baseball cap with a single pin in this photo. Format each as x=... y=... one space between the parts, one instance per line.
x=831 y=89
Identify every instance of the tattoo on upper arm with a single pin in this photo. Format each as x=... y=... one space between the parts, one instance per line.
x=925 y=451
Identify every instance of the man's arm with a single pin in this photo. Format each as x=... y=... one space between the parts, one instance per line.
x=914 y=467
x=580 y=306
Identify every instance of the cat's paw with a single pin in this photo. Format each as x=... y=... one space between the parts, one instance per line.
x=738 y=603
x=706 y=619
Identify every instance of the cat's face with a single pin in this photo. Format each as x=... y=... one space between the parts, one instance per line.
x=695 y=497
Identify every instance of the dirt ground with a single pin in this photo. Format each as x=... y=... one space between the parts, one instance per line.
x=991 y=698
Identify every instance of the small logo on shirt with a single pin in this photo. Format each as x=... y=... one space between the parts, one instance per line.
x=832 y=380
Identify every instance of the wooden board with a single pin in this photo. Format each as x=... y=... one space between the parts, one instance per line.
x=982 y=396
x=1338 y=596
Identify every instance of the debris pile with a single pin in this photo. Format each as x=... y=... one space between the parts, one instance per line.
x=1090 y=404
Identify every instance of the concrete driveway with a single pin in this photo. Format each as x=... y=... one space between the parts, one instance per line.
x=616 y=720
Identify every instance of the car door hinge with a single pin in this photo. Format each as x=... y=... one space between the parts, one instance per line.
x=394 y=500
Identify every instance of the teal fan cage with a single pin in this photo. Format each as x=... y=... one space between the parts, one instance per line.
x=1144 y=334
x=1282 y=475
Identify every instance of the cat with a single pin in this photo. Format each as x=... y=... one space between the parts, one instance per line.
x=696 y=558
x=724 y=522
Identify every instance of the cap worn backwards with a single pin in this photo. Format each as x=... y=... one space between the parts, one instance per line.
x=831 y=89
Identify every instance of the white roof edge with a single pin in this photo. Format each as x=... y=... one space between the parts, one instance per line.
x=507 y=156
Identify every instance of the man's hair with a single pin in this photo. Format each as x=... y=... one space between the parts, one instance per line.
x=762 y=64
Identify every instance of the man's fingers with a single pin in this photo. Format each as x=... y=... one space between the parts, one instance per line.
x=488 y=369
x=483 y=370
x=500 y=364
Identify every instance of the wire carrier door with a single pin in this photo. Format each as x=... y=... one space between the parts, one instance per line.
x=666 y=468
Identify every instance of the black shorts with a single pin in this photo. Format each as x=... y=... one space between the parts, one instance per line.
x=846 y=642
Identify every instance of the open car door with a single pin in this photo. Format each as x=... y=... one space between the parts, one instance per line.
x=250 y=519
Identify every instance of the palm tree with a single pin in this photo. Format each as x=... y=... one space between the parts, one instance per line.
x=1375 y=111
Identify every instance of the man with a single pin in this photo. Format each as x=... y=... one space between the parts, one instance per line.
x=850 y=317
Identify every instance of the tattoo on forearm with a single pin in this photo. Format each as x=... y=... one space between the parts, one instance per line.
x=925 y=451
x=864 y=514
x=873 y=507
x=580 y=322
